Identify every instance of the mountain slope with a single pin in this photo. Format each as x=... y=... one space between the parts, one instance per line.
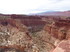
x=55 y=13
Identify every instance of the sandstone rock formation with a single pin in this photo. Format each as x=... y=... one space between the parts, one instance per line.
x=22 y=33
x=60 y=30
x=63 y=46
x=14 y=35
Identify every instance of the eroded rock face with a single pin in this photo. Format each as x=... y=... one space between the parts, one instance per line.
x=63 y=46
x=16 y=36
x=43 y=40
x=58 y=29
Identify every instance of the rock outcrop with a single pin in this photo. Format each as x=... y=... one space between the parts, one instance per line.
x=63 y=46
x=23 y=33
x=60 y=30
x=14 y=35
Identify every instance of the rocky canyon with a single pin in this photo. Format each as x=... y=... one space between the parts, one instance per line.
x=34 y=33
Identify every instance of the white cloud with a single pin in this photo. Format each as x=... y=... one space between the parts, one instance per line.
x=61 y=6
x=32 y=6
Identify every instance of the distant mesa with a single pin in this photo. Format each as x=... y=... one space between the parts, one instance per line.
x=54 y=13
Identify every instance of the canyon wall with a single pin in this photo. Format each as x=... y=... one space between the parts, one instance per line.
x=24 y=33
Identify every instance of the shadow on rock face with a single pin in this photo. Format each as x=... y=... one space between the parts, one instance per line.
x=9 y=50
x=4 y=23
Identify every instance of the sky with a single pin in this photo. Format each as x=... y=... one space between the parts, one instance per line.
x=32 y=6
